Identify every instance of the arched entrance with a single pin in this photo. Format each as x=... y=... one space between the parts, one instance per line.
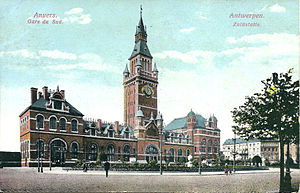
x=58 y=151
x=151 y=153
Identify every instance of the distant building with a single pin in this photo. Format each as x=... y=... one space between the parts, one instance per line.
x=204 y=133
x=265 y=149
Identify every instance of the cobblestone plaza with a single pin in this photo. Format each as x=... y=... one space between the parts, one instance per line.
x=58 y=180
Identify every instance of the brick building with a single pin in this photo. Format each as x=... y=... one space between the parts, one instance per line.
x=53 y=129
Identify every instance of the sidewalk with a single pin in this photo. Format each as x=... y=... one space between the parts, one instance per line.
x=153 y=173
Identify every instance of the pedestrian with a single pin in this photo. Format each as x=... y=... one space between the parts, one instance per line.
x=226 y=169
x=84 y=167
x=106 y=167
x=230 y=171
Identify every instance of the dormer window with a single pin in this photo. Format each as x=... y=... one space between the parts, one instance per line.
x=57 y=105
x=110 y=133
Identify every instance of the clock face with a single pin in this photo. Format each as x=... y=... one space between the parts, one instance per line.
x=148 y=91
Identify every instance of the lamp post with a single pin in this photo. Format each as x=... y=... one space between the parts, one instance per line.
x=160 y=127
x=41 y=156
x=199 y=163
x=50 y=160
x=234 y=152
x=38 y=149
x=199 y=169
x=160 y=164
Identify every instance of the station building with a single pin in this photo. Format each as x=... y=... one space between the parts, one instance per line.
x=54 y=130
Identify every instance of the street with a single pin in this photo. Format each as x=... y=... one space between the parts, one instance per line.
x=58 y=180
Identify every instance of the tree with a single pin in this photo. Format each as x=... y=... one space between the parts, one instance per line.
x=272 y=114
x=102 y=157
x=181 y=160
x=256 y=160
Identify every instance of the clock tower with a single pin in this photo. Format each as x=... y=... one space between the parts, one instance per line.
x=140 y=80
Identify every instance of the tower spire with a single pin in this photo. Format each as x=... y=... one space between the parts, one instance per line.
x=141 y=11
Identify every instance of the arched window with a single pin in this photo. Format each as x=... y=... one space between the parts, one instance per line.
x=74 y=150
x=110 y=152
x=172 y=137
x=40 y=121
x=188 y=152
x=180 y=138
x=93 y=152
x=52 y=123
x=40 y=148
x=172 y=154
x=203 y=147
x=216 y=146
x=188 y=139
x=126 y=133
x=179 y=154
x=74 y=125
x=209 y=146
x=62 y=124
x=58 y=150
x=126 y=151
x=152 y=153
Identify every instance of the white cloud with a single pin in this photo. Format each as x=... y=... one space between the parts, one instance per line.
x=76 y=15
x=201 y=16
x=56 y=54
x=221 y=89
x=277 y=8
x=88 y=61
x=187 y=29
x=23 y=53
x=188 y=57
x=74 y=11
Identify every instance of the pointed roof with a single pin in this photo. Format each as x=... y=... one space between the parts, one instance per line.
x=191 y=114
x=140 y=48
x=159 y=116
x=140 y=28
x=126 y=69
x=139 y=113
x=151 y=118
x=155 y=68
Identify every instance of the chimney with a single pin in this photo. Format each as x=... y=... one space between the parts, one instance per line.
x=99 y=123
x=40 y=95
x=33 y=94
x=62 y=92
x=117 y=126
x=45 y=92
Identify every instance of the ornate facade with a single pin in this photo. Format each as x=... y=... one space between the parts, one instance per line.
x=52 y=129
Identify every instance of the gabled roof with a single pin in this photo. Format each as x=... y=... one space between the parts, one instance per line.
x=140 y=47
x=40 y=105
x=180 y=123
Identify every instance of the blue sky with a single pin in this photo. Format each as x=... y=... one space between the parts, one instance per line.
x=204 y=62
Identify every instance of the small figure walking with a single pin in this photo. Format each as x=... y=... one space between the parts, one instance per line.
x=230 y=171
x=106 y=167
x=84 y=167
x=226 y=169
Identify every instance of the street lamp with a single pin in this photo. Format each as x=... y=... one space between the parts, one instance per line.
x=199 y=163
x=199 y=170
x=41 y=152
x=38 y=151
x=160 y=127
x=50 y=159
x=234 y=151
